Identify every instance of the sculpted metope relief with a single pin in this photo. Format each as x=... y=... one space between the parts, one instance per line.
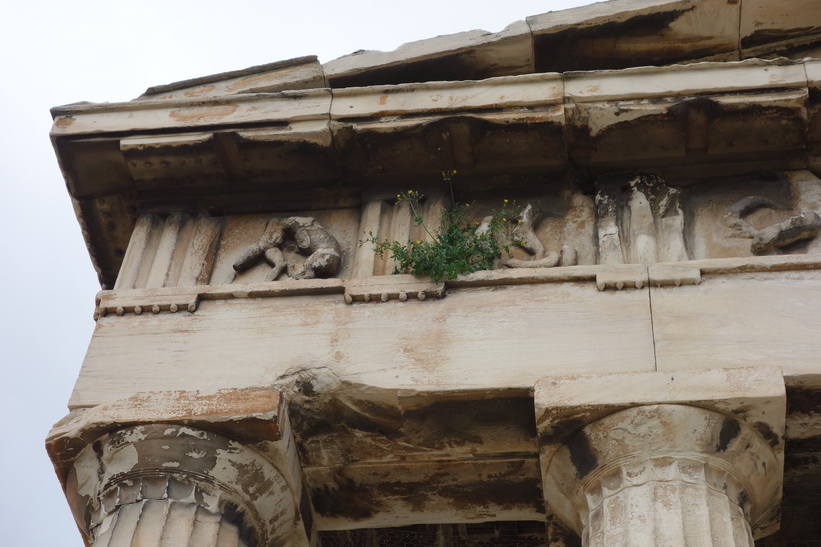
x=640 y=222
x=323 y=255
x=799 y=227
x=525 y=231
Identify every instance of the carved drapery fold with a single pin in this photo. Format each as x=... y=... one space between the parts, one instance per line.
x=640 y=221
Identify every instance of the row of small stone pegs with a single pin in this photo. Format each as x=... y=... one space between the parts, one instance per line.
x=156 y=308
x=402 y=296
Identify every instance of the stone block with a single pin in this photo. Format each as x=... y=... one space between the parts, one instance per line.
x=619 y=34
x=472 y=55
x=298 y=73
x=472 y=339
x=767 y=26
x=759 y=319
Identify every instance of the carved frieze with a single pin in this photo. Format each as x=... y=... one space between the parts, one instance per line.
x=633 y=220
x=323 y=256
x=756 y=214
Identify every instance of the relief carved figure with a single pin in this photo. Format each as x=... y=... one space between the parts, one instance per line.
x=525 y=234
x=321 y=249
x=799 y=227
x=525 y=231
x=640 y=222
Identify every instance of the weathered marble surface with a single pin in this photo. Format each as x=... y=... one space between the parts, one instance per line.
x=687 y=195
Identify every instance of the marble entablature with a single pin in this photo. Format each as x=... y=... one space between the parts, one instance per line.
x=259 y=376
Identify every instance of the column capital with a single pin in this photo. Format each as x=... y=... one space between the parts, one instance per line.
x=159 y=467
x=184 y=464
x=721 y=430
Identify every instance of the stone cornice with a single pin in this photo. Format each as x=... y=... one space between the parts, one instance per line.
x=605 y=35
x=275 y=151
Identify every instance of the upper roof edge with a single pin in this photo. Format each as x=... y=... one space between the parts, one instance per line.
x=222 y=76
x=610 y=35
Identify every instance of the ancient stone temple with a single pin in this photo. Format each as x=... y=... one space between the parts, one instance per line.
x=639 y=364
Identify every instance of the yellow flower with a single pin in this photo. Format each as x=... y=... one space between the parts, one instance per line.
x=467 y=204
x=505 y=201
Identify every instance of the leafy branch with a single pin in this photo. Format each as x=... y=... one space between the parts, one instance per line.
x=462 y=245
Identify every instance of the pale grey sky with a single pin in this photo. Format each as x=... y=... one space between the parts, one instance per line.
x=58 y=52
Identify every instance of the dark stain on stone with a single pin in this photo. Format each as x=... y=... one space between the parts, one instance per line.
x=595 y=47
x=803 y=401
x=561 y=431
x=306 y=512
x=454 y=66
x=808 y=445
x=308 y=423
x=742 y=499
x=703 y=131
x=729 y=430
x=512 y=488
x=372 y=417
x=461 y=422
x=761 y=37
x=698 y=105
x=306 y=388
x=767 y=433
x=346 y=499
x=802 y=476
x=232 y=514
x=506 y=493
x=581 y=455
x=428 y=146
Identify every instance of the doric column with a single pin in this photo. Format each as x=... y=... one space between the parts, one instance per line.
x=173 y=485
x=664 y=474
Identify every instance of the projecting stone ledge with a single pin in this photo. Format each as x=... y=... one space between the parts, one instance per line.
x=685 y=458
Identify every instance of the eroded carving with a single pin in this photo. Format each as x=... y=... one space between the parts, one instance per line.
x=170 y=249
x=799 y=227
x=525 y=231
x=525 y=234
x=321 y=249
x=640 y=222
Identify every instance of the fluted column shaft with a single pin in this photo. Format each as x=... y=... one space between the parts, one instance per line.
x=673 y=504
x=664 y=475
x=164 y=512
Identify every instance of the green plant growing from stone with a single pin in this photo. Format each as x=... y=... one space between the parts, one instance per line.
x=462 y=245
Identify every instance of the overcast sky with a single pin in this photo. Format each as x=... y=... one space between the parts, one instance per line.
x=60 y=52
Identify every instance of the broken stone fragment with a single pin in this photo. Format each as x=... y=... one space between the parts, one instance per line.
x=804 y=225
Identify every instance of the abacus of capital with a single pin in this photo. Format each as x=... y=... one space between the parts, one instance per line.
x=639 y=364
